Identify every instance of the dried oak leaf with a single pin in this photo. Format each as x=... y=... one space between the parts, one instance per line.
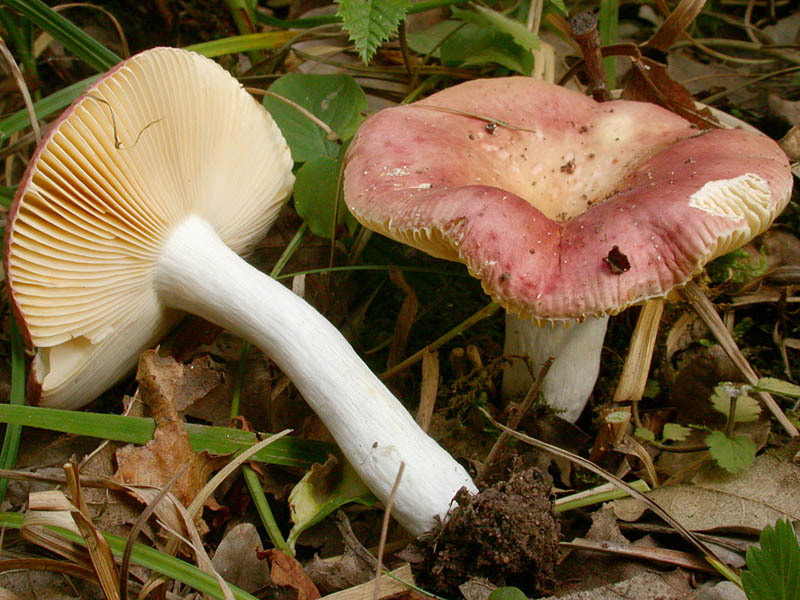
x=163 y=382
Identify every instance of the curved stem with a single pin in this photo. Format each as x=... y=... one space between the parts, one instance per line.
x=576 y=349
x=197 y=273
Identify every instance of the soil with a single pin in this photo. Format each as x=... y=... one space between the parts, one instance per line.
x=507 y=534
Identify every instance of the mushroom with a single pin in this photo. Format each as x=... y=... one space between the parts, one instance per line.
x=566 y=209
x=134 y=209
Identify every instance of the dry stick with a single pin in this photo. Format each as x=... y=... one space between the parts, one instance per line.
x=690 y=537
x=515 y=419
x=385 y=531
x=486 y=311
x=708 y=313
x=351 y=541
x=583 y=27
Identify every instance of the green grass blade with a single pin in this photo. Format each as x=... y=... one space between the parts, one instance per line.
x=243 y=43
x=287 y=451
x=43 y=108
x=8 y=456
x=73 y=37
x=608 y=26
x=149 y=558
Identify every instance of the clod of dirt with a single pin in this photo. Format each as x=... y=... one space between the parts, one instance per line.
x=507 y=534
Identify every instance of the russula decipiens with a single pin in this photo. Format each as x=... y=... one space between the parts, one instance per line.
x=567 y=210
x=133 y=209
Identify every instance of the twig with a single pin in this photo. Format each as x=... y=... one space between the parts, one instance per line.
x=330 y=133
x=515 y=419
x=351 y=541
x=486 y=311
x=583 y=27
x=385 y=530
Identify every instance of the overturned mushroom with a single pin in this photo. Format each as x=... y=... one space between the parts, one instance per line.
x=567 y=210
x=134 y=208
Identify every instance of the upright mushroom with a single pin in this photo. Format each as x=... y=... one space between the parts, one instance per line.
x=134 y=208
x=567 y=210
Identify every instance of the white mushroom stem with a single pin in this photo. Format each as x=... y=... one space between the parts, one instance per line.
x=199 y=274
x=576 y=349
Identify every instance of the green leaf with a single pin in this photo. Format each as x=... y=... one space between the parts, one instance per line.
x=371 y=22
x=733 y=455
x=773 y=571
x=7 y=195
x=562 y=8
x=778 y=386
x=675 y=433
x=491 y=19
x=322 y=490
x=747 y=408
x=473 y=45
x=507 y=593
x=652 y=389
x=315 y=197
x=336 y=100
x=429 y=41
x=645 y=434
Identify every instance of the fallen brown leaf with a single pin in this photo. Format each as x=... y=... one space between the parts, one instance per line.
x=162 y=381
x=286 y=571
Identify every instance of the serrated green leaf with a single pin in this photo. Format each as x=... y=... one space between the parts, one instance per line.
x=369 y=23
x=747 y=408
x=491 y=19
x=336 y=100
x=773 y=571
x=675 y=433
x=507 y=593
x=645 y=434
x=315 y=196
x=778 y=386
x=733 y=455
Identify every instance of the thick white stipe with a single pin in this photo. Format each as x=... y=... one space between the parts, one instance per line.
x=199 y=274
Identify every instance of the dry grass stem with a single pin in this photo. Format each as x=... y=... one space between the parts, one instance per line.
x=708 y=313
x=633 y=380
x=385 y=531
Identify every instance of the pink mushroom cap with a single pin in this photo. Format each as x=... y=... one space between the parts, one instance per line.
x=562 y=207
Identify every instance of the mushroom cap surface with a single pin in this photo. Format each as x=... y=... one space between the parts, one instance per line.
x=164 y=135
x=562 y=207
